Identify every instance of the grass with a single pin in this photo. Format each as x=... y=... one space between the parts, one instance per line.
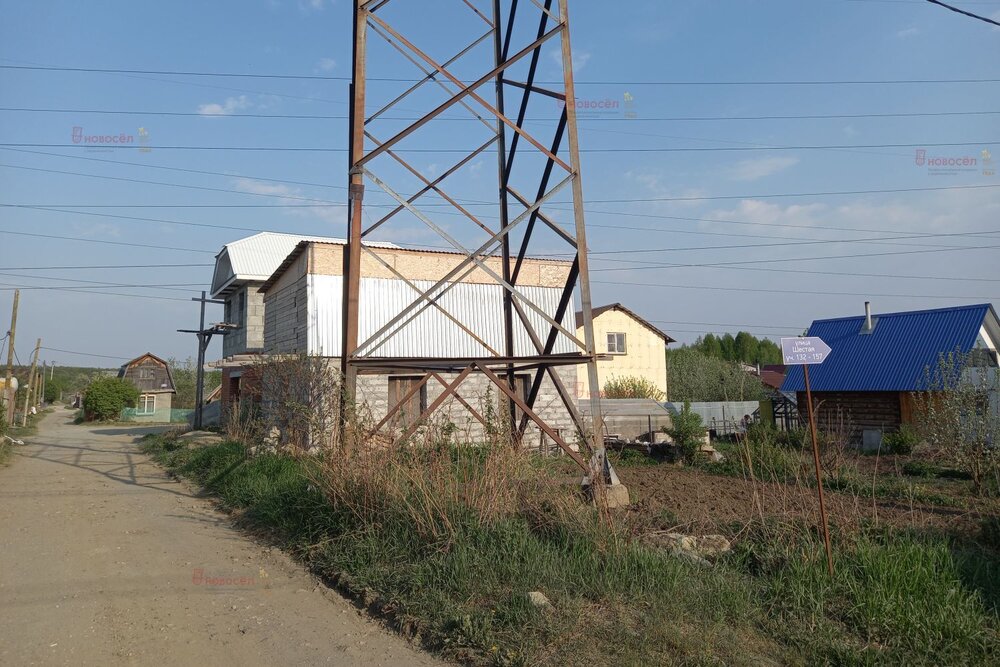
x=777 y=457
x=421 y=550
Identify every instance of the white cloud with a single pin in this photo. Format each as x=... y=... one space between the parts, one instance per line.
x=755 y=169
x=325 y=65
x=907 y=33
x=580 y=59
x=231 y=105
x=264 y=188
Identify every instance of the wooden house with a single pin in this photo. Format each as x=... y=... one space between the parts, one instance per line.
x=151 y=376
x=877 y=362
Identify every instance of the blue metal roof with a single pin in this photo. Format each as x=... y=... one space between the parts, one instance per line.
x=894 y=356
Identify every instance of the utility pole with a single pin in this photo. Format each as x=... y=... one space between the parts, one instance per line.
x=204 y=338
x=44 y=370
x=8 y=395
x=27 y=393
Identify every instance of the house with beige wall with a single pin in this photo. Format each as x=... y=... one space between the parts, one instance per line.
x=303 y=314
x=627 y=345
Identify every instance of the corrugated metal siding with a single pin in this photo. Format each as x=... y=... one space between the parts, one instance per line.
x=430 y=334
x=891 y=358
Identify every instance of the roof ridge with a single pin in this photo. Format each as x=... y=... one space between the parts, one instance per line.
x=906 y=312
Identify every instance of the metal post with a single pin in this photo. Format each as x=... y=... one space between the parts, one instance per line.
x=819 y=475
x=356 y=192
x=597 y=439
x=204 y=338
x=200 y=372
x=8 y=394
x=31 y=376
x=500 y=254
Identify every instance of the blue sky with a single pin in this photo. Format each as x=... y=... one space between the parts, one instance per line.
x=709 y=42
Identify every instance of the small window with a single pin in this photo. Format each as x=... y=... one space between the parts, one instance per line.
x=241 y=309
x=616 y=343
x=399 y=387
x=147 y=404
x=229 y=310
x=146 y=373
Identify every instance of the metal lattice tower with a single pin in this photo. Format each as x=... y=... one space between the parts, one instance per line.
x=490 y=77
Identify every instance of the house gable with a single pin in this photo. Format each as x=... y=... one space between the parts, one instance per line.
x=149 y=373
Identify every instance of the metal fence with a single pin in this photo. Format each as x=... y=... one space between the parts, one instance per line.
x=175 y=416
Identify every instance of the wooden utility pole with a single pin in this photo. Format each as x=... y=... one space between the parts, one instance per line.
x=8 y=395
x=819 y=473
x=204 y=338
x=31 y=376
x=45 y=368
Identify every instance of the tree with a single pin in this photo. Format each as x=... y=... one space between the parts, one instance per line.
x=745 y=348
x=728 y=345
x=631 y=387
x=185 y=375
x=710 y=346
x=958 y=414
x=105 y=398
x=694 y=376
x=687 y=432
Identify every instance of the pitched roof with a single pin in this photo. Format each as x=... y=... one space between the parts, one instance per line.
x=617 y=306
x=255 y=258
x=123 y=372
x=894 y=356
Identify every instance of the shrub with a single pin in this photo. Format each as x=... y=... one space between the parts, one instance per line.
x=105 y=398
x=631 y=387
x=687 y=432
x=902 y=441
x=958 y=416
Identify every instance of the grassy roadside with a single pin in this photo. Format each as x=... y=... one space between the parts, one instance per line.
x=456 y=575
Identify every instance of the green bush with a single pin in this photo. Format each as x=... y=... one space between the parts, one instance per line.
x=105 y=398
x=901 y=442
x=631 y=387
x=687 y=432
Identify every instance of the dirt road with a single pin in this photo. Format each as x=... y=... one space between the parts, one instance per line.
x=105 y=560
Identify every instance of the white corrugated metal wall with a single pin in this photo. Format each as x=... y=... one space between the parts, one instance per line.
x=430 y=334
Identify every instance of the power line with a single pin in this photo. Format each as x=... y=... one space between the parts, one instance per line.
x=964 y=13
x=99 y=266
x=800 y=259
x=104 y=284
x=743 y=246
x=797 y=291
x=645 y=119
x=180 y=169
x=320 y=77
x=7 y=287
x=118 y=243
x=84 y=354
x=615 y=213
x=463 y=151
x=638 y=200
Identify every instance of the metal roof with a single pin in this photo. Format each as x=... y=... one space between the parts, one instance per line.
x=894 y=356
x=256 y=257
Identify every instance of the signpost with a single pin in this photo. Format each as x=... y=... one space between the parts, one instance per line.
x=806 y=351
